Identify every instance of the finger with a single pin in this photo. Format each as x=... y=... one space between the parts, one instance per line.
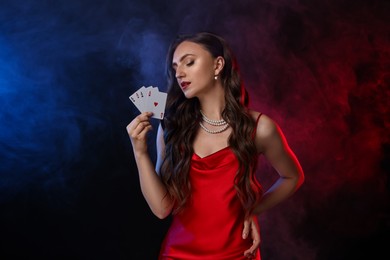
x=255 y=232
x=253 y=248
x=246 y=229
x=255 y=235
x=136 y=124
x=141 y=130
x=145 y=116
x=256 y=243
x=250 y=254
x=140 y=119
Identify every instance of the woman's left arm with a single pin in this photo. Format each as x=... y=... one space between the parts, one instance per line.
x=271 y=142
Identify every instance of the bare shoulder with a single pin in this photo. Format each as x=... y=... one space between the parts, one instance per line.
x=265 y=126
x=267 y=130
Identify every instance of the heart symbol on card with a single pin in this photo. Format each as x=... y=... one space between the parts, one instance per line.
x=155 y=104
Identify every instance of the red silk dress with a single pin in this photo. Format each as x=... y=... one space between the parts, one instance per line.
x=210 y=228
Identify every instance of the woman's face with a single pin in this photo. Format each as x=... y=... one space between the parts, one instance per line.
x=195 y=69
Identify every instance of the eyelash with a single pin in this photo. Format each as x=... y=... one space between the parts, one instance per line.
x=188 y=65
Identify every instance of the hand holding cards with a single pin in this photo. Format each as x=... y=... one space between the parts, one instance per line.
x=150 y=99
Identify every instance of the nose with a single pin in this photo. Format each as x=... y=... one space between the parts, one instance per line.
x=179 y=73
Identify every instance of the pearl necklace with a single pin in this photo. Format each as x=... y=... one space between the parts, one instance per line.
x=214 y=131
x=214 y=123
x=211 y=121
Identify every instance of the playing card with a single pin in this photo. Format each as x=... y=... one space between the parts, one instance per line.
x=138 y=99
x=150 y=99
x=149 y=95
x=157 y=103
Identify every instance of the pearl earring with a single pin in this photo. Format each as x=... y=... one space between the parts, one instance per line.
x=216 y=77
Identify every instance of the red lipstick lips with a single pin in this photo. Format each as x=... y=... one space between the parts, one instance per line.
x=185 y=84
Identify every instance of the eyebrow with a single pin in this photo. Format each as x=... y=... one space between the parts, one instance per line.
x=182 y=58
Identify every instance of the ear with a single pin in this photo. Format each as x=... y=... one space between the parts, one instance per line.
x=219 y=63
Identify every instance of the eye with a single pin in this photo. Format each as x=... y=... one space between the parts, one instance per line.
x=190 y=63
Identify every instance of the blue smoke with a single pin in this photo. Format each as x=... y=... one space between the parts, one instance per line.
x=41 y=120
x=66 y=69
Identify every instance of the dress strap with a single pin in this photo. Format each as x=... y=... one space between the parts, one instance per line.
x=257 y=121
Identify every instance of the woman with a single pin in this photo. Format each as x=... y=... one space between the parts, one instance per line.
x=207 y=150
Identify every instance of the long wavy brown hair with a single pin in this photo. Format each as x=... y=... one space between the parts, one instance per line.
x=181 y=123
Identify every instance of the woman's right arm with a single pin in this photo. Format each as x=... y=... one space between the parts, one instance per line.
x=153 y=190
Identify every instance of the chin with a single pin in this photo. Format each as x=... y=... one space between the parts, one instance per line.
x=188 y=94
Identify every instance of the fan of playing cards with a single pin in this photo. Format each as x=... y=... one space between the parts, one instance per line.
x=150 y=99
